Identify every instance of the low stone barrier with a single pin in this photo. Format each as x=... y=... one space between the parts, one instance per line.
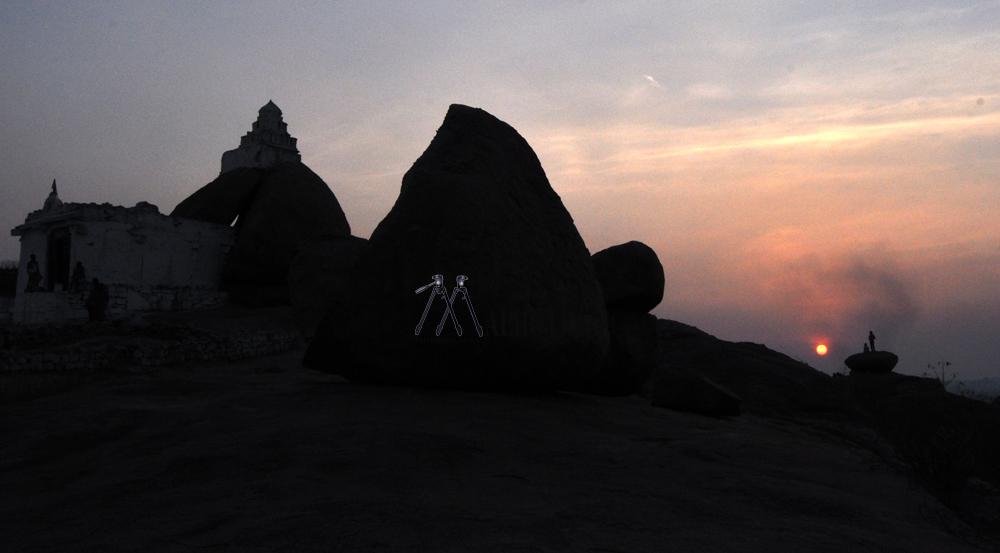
x=230 y=347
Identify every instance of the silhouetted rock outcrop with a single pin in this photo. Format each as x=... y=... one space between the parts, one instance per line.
x=278 y=208
x=631 y=276
x=694 y=394
x=872 y=362
x=318 y=276
x=291 y=205
x=476 y=203
x=768 y=382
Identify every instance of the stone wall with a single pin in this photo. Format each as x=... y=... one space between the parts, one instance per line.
x=51 y=307
x=6 y=304
x=241 y=344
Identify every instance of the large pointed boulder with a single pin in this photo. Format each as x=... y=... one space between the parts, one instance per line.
x=475 y=204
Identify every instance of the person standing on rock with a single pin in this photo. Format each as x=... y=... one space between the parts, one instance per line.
x=871 y=339
x=34 y=275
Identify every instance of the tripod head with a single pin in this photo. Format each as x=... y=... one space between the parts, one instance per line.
x=438 y=281
x=460 y=280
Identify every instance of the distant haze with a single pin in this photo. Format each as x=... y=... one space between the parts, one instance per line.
x=805 y=172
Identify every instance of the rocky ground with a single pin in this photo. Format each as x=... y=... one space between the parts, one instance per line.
x=264 y=455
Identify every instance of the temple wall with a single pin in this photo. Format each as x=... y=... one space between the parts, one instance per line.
x=32 y=242
x=158 y=251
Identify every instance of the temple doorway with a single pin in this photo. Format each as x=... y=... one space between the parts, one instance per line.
x=57 y=260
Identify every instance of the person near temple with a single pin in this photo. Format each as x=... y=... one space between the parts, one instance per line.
x=79 y=277
x=34 y=275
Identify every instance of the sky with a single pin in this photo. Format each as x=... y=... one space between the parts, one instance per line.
x=805 y=171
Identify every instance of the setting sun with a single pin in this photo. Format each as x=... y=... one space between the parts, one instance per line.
x=821 y=349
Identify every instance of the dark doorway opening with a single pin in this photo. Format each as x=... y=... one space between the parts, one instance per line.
x=57 y=260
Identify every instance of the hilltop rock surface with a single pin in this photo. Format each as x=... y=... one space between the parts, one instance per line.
x=476 y=203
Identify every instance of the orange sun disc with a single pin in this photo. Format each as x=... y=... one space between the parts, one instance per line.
x=821 y=349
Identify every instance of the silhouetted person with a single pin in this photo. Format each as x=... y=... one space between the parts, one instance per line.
x=34 y=275
x=866 y=348
x=79 y=277
x=97 y=301
x=871 y=339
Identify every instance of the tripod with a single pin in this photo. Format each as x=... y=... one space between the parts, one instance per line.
x=439 y=288
x=460 y=287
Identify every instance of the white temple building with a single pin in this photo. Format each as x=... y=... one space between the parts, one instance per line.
x=148 y=261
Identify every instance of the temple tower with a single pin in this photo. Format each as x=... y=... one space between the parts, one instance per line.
x=267 y=143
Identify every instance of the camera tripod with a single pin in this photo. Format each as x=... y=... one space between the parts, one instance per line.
x=439 y=288
x=460 y=287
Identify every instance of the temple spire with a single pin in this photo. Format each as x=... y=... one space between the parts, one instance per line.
x=53 y=200
x=267 y=144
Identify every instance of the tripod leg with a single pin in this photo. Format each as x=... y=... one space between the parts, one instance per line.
x=447 y=310
x=427 y=308
x=450 y=309
x=468 y=301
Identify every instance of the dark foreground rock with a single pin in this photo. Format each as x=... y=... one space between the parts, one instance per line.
x=631 y=276
x=694 y=394
x=476 y=203
x=318 y=277
x=266 y=456
x=872 y=362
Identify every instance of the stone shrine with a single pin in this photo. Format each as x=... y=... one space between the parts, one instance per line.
x=148 y=261
x=267 y=144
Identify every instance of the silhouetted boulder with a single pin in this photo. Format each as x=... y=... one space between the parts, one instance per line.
x=631 y=276
x=694 y=394
x=476 y=203
x=631 y=356
x=318 y=277
x=221 y=200
x=872 y=362
x=290 y=206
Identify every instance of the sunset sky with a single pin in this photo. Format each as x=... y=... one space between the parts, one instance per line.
x=806 y=171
